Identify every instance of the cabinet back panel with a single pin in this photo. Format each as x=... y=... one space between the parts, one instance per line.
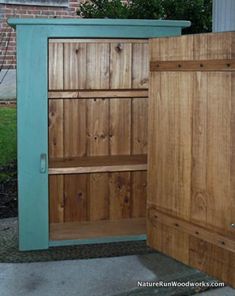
x=97 y=126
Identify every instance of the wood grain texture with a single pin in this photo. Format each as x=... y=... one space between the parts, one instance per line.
x=76 y=198
x=56 y=132
x=56 y=202
x=119 y=196
x=201 y=66
x=101 y=111
x=190 y=169
x=75 y=56
x=95 y=164
x=86 y=230
x=104 y=93
x=120 y=65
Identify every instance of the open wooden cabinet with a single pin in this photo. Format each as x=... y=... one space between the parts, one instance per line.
x=101 y=123
x=98 y=93
x=130 y=138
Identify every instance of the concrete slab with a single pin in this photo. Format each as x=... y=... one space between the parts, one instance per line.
x=95 y=277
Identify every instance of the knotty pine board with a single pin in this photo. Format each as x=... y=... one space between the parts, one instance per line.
x=97 y=126
x=191 y=171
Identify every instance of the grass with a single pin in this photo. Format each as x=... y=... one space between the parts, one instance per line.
x=7 y=138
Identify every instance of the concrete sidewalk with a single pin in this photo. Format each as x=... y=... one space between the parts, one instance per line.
x=93 y=277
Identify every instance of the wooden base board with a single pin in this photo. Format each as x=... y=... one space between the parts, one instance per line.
x=97 y=229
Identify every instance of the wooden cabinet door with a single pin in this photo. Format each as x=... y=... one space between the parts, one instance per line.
x=191 y=154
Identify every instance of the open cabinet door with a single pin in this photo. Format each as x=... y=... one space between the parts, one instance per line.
x=191 y=156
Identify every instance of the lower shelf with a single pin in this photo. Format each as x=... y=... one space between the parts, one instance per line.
x=98 y=164
x=97 y=229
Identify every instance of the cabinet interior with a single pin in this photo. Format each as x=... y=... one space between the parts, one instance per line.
x=97 y=104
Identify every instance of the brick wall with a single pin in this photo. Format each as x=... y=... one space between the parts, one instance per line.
x=7 y=35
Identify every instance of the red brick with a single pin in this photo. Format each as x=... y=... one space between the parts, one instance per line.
x=27 y=11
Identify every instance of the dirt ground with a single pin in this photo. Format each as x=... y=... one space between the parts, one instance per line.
x=8 y=192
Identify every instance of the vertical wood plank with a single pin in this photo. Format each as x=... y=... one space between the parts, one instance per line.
x=139 y=133
x=56 y=202
x=55 y=67
x=199 y=200
x=139 y=194
x=98 y=127
x=120 y=126
x=75 y=56
x=120 y=65
x=218 y=149
x=98 y=197
x=75 y=192
x=232 y=160
x=75 y=65
x=56 y=131
x=120 y=197
x=140 y=65
x=97 y=66
x=208 y=192
x=56 y=128
x=75 y=124
x=120 y=143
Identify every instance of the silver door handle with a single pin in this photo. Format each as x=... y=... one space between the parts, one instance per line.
x=43 y=163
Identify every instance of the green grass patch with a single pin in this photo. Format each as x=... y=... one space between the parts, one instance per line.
x=7 y=137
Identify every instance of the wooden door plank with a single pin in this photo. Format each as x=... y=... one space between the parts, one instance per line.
x=202 y=163
x=218 y=150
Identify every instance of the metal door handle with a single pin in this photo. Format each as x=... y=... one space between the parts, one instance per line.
x=43 y=163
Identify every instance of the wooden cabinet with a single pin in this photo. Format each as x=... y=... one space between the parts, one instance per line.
x=108 y=146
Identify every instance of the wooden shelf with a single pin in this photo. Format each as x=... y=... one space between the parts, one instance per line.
x=97 y=229
x=98 y=93
x=95 y=164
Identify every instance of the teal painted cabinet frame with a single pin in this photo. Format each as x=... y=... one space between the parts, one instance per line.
x=32 y=109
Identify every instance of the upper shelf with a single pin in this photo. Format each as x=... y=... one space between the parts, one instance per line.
x=95 y=164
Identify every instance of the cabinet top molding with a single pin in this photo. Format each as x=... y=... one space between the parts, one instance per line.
x=100 y=22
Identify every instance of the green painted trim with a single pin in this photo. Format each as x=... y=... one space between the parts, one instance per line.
x=32 y=111
x=102 y=240
x=100 y=22
x=32 y=125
